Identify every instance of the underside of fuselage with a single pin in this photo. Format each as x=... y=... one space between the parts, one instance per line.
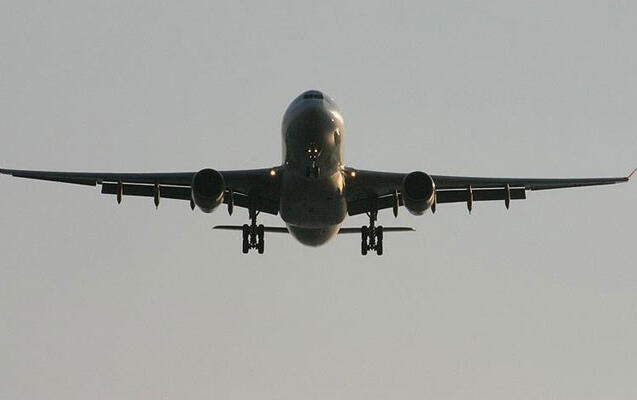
x=313 y=236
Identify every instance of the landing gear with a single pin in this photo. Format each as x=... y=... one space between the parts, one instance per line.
x=372 y=235
x=313 y=171
x=253 y=235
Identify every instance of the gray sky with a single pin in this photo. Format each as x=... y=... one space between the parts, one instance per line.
x=101 y=301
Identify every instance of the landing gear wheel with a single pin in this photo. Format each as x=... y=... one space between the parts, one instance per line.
x=253 y=235
x=372 y=235
x=379 y=241
x=260 y=232
x=246 y=244
x=260 y=239
x=364 y=237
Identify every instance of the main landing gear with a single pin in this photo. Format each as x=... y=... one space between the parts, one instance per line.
x=253 y=235
x=372 y=235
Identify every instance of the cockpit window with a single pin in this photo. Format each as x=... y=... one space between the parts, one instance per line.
x=313 y=95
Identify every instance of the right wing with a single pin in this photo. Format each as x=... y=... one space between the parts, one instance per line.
x=369 y=190
x=255 y=188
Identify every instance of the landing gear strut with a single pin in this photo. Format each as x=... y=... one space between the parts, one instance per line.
x=253 y=235
x=372 y=235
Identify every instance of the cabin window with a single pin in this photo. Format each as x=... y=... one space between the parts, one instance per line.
x=313 y=95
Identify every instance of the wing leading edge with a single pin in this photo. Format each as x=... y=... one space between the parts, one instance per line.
x=455 y=182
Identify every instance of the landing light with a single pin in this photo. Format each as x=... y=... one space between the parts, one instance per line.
x=353 y=174
x=272 y=172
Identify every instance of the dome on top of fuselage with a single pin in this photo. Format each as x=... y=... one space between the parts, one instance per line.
x=314 y=94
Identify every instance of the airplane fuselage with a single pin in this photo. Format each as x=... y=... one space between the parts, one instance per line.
x=313 y=203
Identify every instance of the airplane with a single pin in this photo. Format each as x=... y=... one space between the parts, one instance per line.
x=312 y=189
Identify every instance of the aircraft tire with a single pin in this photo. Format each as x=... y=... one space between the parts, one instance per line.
x=364 y=238
x=245 y=245
x=260 y=232
x=364 y=233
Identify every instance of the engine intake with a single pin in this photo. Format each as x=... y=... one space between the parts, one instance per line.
x=208 y=188
x=418 y=192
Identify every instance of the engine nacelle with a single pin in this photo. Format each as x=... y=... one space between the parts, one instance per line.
x=208 y=188
x=418 y=192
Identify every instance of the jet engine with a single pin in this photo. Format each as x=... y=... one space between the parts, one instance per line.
x=208 y=188
x=418 y=192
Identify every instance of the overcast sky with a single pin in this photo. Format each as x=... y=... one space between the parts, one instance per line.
x=126 y=302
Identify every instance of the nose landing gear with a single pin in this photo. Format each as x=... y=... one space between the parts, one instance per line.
x=313 y=171
x=313 y=153
x=253 y=235
x=372 y=235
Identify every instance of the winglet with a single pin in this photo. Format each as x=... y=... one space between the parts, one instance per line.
x=631 y=174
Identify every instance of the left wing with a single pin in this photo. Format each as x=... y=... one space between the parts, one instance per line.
x=369 y=190
x=255 y=188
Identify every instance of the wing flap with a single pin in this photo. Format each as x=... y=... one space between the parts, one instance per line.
x=461 y=196
x=184 y=193
x=169 y=192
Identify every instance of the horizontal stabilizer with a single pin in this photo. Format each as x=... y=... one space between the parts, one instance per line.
x=270 y=229
x=386 y=229
x=281 y=229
